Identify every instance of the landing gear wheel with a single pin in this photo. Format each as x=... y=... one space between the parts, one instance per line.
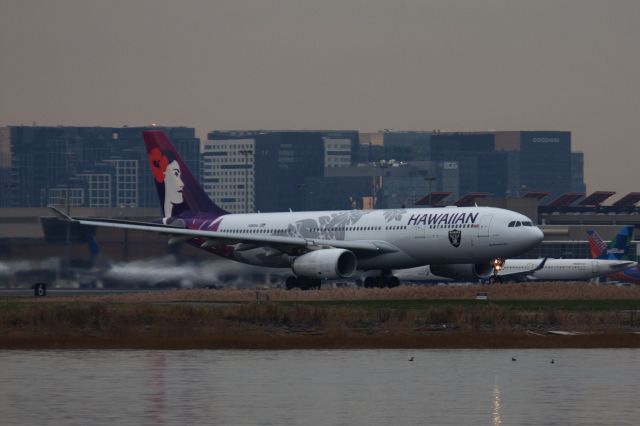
x=495 y=280
x=310 y=283
x=392 y=282
x=291 y=282
x=370 y=282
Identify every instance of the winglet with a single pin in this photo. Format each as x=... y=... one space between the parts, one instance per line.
x=541 y=265
x=61 y=215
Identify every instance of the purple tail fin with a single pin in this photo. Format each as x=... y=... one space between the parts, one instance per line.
x=178 y=190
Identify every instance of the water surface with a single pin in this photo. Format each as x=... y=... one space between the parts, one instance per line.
x=333 y=387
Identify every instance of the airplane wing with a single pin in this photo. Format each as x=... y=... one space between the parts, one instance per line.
x=523 y=274
x=242 y=242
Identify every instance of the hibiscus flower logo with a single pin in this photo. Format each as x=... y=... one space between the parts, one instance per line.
x=159 y=164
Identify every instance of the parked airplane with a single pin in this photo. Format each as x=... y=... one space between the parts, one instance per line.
x=618 y=250
x=326 y=244
x=523 y=270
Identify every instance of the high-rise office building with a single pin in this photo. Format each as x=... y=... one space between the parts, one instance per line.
x=502 y=163
x=545 y=162
x=266 y=170
x=83 y=166
x=577 y=172
x=228 y=167
x=407 y=146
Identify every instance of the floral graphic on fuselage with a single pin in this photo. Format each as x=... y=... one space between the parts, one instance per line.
x=328 y=227
x=395 y=214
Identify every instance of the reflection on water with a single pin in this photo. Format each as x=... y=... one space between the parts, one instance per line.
x=497 y=420
x=157 y=385
x=368 y=387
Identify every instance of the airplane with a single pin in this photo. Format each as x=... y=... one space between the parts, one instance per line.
x=545 y=269
x=619 y=250
x=319 y=245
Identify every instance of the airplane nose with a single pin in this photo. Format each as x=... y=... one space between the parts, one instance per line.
x=537 y=235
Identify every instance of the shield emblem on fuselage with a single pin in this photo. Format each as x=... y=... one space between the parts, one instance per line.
x=455 y=236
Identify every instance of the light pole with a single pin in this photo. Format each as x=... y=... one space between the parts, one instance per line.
x=246 y=153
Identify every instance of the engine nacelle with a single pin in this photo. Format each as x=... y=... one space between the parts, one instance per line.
x=463 y=271
x=325 y=263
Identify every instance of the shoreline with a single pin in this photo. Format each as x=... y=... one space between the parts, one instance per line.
x=451 y=341
x=516 y=316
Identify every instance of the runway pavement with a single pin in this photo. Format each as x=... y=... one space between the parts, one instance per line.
x=61 y=292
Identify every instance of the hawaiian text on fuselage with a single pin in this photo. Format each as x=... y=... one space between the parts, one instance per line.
x=443 y=219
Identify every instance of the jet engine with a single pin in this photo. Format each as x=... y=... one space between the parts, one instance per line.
x=464 y=272
x=325 y=263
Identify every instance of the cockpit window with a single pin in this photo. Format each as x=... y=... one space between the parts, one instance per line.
x=527 y=223
x=518 y=223
x=512 y=224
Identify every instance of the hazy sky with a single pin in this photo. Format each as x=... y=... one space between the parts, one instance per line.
x=344 y=64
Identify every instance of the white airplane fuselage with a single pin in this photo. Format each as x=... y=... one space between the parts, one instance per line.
x=565 y=269
x=526 y=269
x=407 y=237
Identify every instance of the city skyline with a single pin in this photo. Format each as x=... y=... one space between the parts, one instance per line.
x=365 y=65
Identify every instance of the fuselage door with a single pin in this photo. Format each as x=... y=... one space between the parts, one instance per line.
x=483 y=230
x=420 y=231
x=594 y=266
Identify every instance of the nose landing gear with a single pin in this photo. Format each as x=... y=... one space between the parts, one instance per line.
x=498 y=264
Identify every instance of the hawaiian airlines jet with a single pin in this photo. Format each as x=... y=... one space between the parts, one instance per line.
x=325 y=244
x=618 y=251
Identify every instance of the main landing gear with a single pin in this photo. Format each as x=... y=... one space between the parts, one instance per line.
x=382 y=281
x=303 y=283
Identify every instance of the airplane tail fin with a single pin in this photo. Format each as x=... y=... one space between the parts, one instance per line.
x=599 y=249
x=178 y=189
x=619 y=250
x=623 y=243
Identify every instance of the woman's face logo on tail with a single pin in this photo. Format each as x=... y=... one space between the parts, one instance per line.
x=173 y=184
x=168 y=174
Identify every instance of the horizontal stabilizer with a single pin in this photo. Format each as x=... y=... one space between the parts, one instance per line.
x=61 y=215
